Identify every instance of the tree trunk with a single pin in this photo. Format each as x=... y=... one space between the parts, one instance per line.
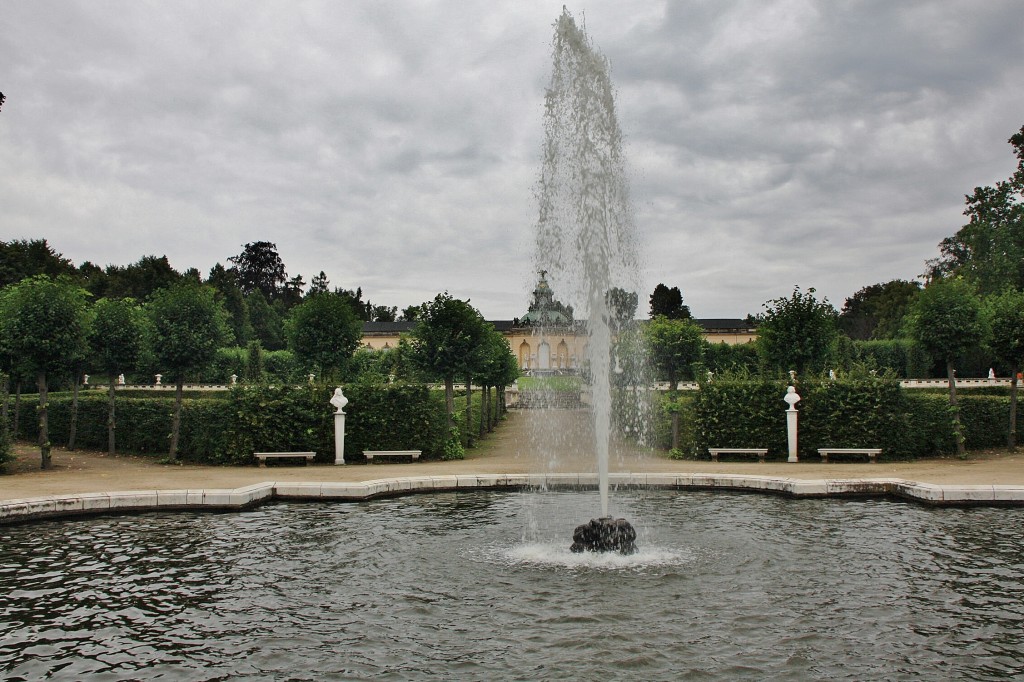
x=673 y=394
x=73 y=429
x=17 y=408
x=958 y=432
x=1011 y=437
x=490 y=415
x=6 y=388
x=179 y=388
x=469 y=412
x=675 y=429
x=449 y=400
x=111 y=417
x=483 y=412
x=44 y=422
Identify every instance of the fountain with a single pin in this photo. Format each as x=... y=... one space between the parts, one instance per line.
x=585 y=232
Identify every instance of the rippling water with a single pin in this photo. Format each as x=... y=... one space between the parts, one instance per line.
x=482 y=586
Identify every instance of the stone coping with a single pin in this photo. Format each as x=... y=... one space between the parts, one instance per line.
x=132 y=501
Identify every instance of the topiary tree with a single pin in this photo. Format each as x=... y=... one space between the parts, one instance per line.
x=447 y=342
x=498 y=370
x=116 y=340
x=44 y=325
x=323 y=332
x=796 y=333
x=1006 y=317
x=188 y=325
x=253 y=372
x=674 y=345
x=946 y=319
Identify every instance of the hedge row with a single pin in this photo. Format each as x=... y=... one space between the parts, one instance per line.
x=228 y=428
x=864 y=412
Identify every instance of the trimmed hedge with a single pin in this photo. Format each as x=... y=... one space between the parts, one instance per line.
x=228 y=428
x=848 y=412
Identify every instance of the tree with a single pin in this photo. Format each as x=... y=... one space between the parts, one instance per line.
x=44 y=325
x=674 y=346
x=21 y=258
x=621 y=307
x=291 y=295
x=497 y=370
x=668 y=303
x=383 y=313
x=1006 y=317
x=411 y=313
x=946 y=319
x=117 y=342
x=795 y=333
x=140 y=279
x=989 y=250
x=267 y=326
x=260 y=268
x=188 y=325
x=230 y=294
x=877 y=311
x=447 y=341
x=324 y=332
x=319 y=285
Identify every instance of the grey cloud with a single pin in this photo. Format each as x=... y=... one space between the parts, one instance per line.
x=395 y=147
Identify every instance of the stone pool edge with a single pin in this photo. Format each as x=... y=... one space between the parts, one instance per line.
x=135 y=501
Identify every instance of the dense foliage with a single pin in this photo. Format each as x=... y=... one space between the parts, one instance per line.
x=227 y=428
x=323 y=332
x=856 y=410
x=795 y=333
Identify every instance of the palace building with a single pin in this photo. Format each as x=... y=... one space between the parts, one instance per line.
x=547 y=338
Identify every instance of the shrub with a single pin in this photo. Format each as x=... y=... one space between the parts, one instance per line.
x=852 y=411
x=904 y=357
x=226 y=428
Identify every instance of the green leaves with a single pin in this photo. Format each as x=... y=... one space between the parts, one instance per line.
x=324 y=332
x=795 y=333
x=946 y=319
x=44 y=323
x=188 y=325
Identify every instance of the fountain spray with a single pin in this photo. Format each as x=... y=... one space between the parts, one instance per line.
x=585 y=232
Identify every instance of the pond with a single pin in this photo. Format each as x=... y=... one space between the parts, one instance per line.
x=482 y=585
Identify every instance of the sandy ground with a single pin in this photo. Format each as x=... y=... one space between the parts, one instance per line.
x=513 y=448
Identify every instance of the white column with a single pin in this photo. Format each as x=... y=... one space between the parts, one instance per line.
x=339 y=401
x=791 y=422
x=339 y=437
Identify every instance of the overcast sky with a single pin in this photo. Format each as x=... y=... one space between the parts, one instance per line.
x=395 y=145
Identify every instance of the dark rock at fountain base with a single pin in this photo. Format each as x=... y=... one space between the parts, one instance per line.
x=605 y=535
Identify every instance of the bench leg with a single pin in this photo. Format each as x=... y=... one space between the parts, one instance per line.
x=714 y=456
x=824 y=458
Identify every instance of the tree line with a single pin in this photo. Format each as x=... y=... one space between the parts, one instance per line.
x=50 y=327
x=254 y=286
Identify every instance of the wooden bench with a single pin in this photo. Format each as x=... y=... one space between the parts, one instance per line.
x=263 y=456
x=383 y=454
x=760 y=452
x=872 y=453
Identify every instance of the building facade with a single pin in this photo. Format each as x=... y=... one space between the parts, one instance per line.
x=547 y=338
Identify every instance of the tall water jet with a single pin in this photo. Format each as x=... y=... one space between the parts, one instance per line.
x=585 y=233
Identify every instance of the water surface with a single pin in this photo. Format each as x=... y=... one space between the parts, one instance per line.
x=482 y=586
